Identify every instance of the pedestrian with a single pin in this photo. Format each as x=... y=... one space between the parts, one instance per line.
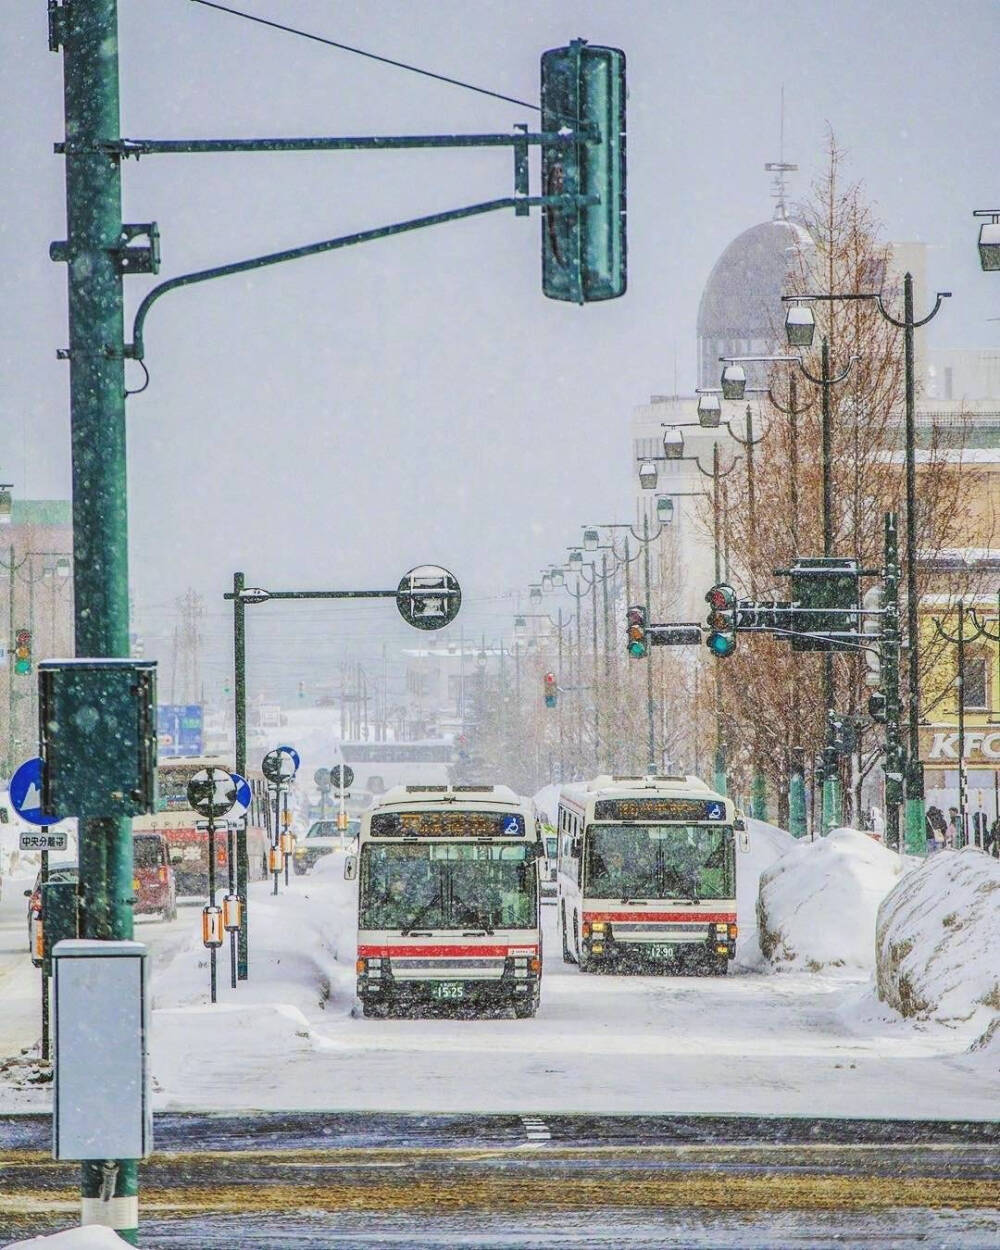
x=951 y=830
x=991 y=844
x=935 y=825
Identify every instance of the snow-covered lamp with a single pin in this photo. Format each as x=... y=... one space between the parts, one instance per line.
x=734 y=381
x=800 y=325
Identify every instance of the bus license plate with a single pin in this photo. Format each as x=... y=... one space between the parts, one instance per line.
x=447 y=991
x=658 y=951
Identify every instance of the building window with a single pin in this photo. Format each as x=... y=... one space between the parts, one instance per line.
x=975 y=684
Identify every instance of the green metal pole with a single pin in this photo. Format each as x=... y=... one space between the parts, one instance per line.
x=651 y=726
x=889 y=656
x=240 y=730
x=797 y=826
x=97 y=422
x=833 y=803
x=719 y=762
x=916 y=838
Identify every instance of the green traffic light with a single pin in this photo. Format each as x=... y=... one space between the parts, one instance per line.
x=721 y=644
x=637 y=650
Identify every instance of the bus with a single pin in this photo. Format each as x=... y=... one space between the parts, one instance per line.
x=378 y=766
x=448 y=901
x=647 y=874
x=186 y=830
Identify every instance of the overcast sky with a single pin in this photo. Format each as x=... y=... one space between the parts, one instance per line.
x=333 y=421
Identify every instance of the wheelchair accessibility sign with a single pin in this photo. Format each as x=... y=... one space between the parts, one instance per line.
x=715 y=811
x=513 y=826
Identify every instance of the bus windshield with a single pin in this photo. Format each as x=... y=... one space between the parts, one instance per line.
x=692 y=862
x=453 y=885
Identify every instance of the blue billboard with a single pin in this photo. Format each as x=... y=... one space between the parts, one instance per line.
x=180 y=729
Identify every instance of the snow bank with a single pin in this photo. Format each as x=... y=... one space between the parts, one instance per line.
x=937 y=940
x=93 y=1237
x=817 y=903
x=767 y=843
x=547 y=802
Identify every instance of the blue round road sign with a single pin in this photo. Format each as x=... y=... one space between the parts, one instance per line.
x=293 y=753
x=26 y=793
x=244 y=795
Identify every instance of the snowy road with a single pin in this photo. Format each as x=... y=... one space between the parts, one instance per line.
x=788 y=1044
x=311 y=1180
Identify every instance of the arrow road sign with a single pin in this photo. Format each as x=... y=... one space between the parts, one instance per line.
x=244 y=795
x=26 y=794
x=341 y=776
x=278 y=767
x=428 y=597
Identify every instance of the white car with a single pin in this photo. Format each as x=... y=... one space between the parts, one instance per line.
x=322 y=837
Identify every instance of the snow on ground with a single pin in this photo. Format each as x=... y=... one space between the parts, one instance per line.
x=817 y=903
x=93 y=1237
x=938 y=939
x=807 y=1043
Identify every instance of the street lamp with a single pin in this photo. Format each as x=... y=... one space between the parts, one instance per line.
x=535 y=594
x=709 y=409
x=591 y=540
x=915 y=834
x=6 y=502
x=989 y=239
x=664 y=509
x=734 y=381
x=648 y=475
x=800 y=325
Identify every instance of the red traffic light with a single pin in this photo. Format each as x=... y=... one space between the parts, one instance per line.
x=721 y=598
x=549 y=679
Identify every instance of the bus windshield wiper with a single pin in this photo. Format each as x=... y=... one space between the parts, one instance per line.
x=419 y=915
x=479 y=918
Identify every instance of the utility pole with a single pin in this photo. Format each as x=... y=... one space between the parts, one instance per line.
x=93 y=252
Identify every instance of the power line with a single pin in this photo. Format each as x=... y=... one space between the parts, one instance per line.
x=372 y=56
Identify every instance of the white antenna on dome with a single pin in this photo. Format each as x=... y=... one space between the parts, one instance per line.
x=779 y=169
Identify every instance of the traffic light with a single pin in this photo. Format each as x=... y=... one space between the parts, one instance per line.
x=22 y=651
x=583 y=245
x=549 y=688
x=877 y=707
x=635 y=632
x=721 y=600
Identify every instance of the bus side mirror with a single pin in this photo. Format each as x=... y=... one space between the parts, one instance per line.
x=743 y=840
x=351 y=868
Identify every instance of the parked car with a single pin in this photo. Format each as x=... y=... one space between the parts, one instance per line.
x=322 y=837
x=63 y=871
x=153 y=876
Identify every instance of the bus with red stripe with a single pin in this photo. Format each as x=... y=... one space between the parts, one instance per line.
x=647 y=875
x=448 y=895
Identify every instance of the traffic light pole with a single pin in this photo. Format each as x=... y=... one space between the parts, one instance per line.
x=889 y=666
x=88 y=36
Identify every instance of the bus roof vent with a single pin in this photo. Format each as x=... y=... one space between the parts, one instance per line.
x=473 y=789
x=426 y=789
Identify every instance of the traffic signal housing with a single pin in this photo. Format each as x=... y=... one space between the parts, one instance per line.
x=635 y=632
x=549 y=689
x=22 y=651
x=583 y=244
x=721 y=600
x=878 y=707
x=825 y=594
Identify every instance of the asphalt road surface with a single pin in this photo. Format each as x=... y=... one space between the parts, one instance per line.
x=259 y=1181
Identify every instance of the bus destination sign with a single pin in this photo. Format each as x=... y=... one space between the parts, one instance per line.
x=447 y=824
x=660 y=809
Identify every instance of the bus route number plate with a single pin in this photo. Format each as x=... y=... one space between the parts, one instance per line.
x=447 y=991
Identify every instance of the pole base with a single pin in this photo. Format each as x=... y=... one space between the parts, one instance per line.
x=915 y=830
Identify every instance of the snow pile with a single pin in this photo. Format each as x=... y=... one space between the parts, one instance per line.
x=92 y=1237
x=547 y=803
x=817 y=904
x=767 y=843
x=937 y=940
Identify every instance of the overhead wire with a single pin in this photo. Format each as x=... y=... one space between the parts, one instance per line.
x=372 y=56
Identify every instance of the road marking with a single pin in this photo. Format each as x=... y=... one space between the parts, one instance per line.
x=536 y=1128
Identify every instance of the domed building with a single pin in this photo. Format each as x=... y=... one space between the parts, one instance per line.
x=740 y=313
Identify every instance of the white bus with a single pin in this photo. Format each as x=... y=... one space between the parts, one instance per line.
x=647 y=874
x=378 y=766
x=448 y=900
